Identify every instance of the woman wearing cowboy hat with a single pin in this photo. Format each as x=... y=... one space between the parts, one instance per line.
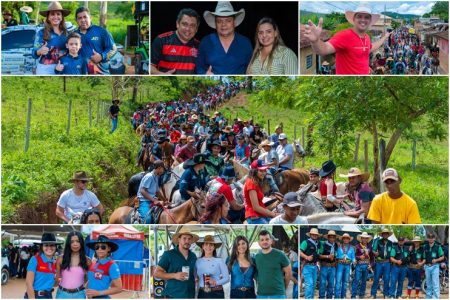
x=50 y=42
x=416 y=262
x=359 y=192
x=41 y=270
x=104 y=275
x=363 y=252
x=225 y=51
x=352 y=46
x=216 y=162
x=212 y=273
x=345 y=256
x=328 y=186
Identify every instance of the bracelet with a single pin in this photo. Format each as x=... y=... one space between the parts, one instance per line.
x=101 y=293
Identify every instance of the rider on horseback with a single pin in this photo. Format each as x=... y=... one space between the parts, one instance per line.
x=146 y=141
x=215 y=160
x=328 y=186
x=148 y=189
x=193 y=177
x=285 y=153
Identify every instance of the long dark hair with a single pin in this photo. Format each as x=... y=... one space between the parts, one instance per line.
x=234 y=251
x=213 y=206
x=252 y=175
x=48 y=27
x=68 y=252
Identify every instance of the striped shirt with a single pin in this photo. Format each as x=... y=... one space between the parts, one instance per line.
x=169 y=52
x=284 y=63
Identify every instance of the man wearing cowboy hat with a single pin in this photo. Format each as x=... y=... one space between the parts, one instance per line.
x=188 y=151
x=416 y=262
x=352 y=46
x=274 y=137
x=177 y=266
x=174 y=52
x=309 y=252
x=269 y=155
x=77 y=199
x=399 y=262
x=274 y=269
x=345 y=256
x=359 y=192
x=327 y=258
x=393 y=206
x=216 y=162
x=97 y=43
x=363 y=252
x=148 y=190
x=225 y=51
x=433 y=255
x=8 y=19
x=194 y=176
x=285 y=153
x=382 y=248
x=114 y=114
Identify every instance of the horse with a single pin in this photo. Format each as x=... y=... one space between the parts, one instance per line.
x=330 y=218
x=291 y=180
x=146 y=159
x=184 y=213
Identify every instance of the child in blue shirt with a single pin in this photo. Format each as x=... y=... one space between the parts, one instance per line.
x=72 y=63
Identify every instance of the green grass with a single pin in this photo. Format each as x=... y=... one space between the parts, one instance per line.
x=427 y=184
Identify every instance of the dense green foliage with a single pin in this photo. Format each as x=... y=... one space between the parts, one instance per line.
x=440 y=8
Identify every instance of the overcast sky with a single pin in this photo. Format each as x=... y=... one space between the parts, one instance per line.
x=402 y=7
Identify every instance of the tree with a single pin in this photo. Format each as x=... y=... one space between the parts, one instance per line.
x=103 y=13
x=391 y=106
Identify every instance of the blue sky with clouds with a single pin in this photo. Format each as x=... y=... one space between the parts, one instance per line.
x=402 y=7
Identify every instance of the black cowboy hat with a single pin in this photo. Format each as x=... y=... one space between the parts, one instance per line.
x=197 y=159
x=162 y=139
x=214 y=143
x=104 y=240
x=48 y=238
x=116 y=100
x=328 y=167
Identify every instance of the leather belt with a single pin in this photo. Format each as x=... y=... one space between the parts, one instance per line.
x=214 y=288
x=343 y=261
x=244 y=288
x=362 y=261
x=310 y=263
x=328 y=264
x=78 y=289
x=381 y=260
x=43 y=293
x=415 y=266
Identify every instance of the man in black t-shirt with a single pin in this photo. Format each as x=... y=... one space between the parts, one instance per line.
x=8 y=19
x=114 y=113
x=174 y=52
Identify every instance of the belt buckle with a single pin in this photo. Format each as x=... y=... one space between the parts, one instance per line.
x=243 y=289
x=41 y=293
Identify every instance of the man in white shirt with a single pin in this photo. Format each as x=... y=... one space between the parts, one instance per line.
x=285 y=153
x=292 y=208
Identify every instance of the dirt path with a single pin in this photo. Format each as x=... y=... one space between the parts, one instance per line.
x=15 y=289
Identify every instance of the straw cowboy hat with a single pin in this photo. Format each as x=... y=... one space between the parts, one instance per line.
x=416 y=239
x=364 y=235
x=184 y=231
x=325 y=63
x=265 y=143
x=346 y=235
x=356 y=172
x=210 y=240
x=26 y=9
x=385 y=230
x=331 y=232
x=313 y=231
x=102 y=240
x=55 y=5
x=224 y=9
x=362 y=8
x=80 y=175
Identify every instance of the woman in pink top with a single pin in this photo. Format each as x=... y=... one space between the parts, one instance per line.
x=71 y=268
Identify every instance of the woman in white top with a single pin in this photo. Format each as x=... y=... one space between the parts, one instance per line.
x=271 y=56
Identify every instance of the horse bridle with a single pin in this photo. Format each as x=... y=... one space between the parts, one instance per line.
x=196 y=213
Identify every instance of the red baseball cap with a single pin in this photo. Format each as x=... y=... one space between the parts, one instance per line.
x=258 y=164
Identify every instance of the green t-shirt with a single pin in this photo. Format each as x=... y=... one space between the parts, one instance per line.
x=172 y=261
x=270 y=275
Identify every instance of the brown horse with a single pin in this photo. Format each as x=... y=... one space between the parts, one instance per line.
x=146 y=158
x=184 y=213
x=290 y=180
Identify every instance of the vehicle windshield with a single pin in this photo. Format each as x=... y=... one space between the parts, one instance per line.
x=18 y=39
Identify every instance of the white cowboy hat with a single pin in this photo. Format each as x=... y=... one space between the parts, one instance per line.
x=362 y=8
x=224 y=9
x=356 y=172
x=26 y=9
x=313 y=231
x=364 y=235
x=417 y=239
x=346 y=235
x=331 y=232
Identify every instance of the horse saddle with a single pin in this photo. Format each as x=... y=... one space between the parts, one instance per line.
x=155 y=214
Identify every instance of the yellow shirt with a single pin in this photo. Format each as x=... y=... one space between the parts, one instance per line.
x=386 y=210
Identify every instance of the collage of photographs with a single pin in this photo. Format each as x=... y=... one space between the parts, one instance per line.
x=259 y=149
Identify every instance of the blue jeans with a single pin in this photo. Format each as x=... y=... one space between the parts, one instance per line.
x=271 y=297
x=49 y=296
x=260 y=220
x=60 y=294
x=114 y=124
x=144 y=208
x=327 y=276
x=238 y=294
x=432 y=278
x=414 y=280
x=359 y=283
x=384 y=269
x=398 y=275
x=342 y=277
x=310 y=277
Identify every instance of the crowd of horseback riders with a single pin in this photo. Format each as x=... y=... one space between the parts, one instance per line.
x=404 y=53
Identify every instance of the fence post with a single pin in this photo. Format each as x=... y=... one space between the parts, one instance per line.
x=382 y=163
x=355 y=157
x=27 y=132
x=366 y=156
x=303 y=145
x=414 y=155
x=295 y=140
x=69 y=113
x=98 y=112
x=268 y=126
x=90 y=113
x=76 y=122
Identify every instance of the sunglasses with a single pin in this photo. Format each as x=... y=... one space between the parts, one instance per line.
x=103 y=247
x=49 y=245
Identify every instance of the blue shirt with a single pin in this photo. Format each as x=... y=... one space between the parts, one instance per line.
x=42 y=281
x=150 y=183
x=99 y=282
x=99 y=39
x=242 y=279
x=211 y=53
x=56 y=46
x=346 y=251
x=73 y=65
x=191 y=180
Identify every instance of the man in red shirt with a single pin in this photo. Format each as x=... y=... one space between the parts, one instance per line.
x=352 y=46
x=188 y=151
